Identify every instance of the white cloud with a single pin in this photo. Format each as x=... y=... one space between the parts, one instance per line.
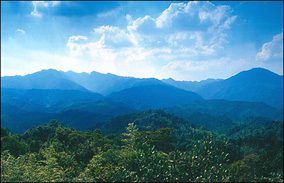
x=183 y=36
x=193 y=25
x=45 y=4
x=272 y=49
x=228 y=22
x=110 y=37
x=114 y=37
x=21 y=31
x=76 y=44
x=76 y=38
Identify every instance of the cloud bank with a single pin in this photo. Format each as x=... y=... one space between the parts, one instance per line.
x=272 y=49
x=186 y=41
x=185 y=36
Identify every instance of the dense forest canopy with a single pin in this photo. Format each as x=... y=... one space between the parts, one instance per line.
x=145 y=146
x=123 y=91
x=80 y=127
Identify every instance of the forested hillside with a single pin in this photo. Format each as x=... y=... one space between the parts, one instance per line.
x=154 y=146
x=154 y=96
x=216 y=114
x=80 y=115
x=141 y=91
x=144 y=130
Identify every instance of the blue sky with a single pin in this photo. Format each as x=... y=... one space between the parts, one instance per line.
x=184 y=40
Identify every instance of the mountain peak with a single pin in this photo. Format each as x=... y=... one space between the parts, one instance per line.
x=256 y=74
x=259 y=70
x=169 y=79
x=48 y=70
x=254 y=85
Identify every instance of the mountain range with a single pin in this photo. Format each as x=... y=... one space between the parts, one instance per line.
x=81 y=99
x=103 y=84
x=255 y=85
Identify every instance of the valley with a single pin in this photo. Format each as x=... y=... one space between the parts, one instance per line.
x=142 y=91
x=90 y=116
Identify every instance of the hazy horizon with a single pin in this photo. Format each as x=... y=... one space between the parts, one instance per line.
x=189 y=41
x=139 y=77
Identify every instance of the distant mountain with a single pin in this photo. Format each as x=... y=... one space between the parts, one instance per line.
x=235 y=110
x=108 y=83
x=85 y=115
x=74 y=99
x=105 y=107
x=189 y=85
x=20 y=122
x=255 y=85
x=154 y=96
x=42 y=100
x=95 y=82
x=23 y=115
x=11 y=109
x=45 y=79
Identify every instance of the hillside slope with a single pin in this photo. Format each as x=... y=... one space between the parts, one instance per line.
x=255 y=85
x=154 y=96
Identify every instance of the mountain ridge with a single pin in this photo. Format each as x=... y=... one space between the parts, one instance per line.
x=154 y=96
x=254 y=85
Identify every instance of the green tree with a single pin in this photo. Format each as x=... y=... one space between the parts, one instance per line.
x=13 y=145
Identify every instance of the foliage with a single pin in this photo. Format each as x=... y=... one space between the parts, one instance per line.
x=13 y=145
x=168 y=149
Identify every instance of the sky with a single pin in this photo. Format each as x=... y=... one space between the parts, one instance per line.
x=183 y=40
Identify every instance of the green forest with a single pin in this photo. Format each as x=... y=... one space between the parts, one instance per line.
x=145 y=146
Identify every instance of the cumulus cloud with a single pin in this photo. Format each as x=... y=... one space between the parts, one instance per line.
x=272 y=49
x=195 y=24
x=113 y=37
x=21 y=31
x=183 y=34
x=45 y=4
x=76 y=44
